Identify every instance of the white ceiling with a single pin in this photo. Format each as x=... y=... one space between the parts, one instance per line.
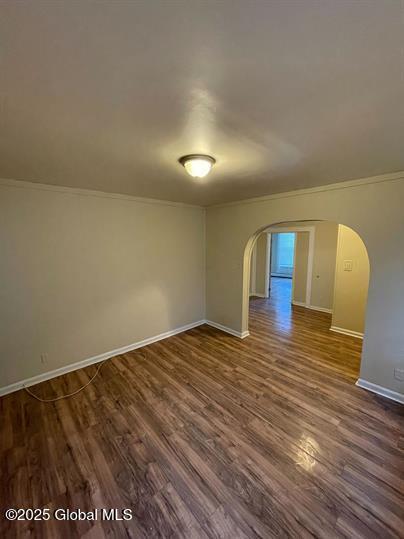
x=284 y=94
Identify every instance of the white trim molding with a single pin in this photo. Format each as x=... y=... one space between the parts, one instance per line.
x=349 y=184
x=312 y=307
x=268 y=254
x=5 y=182
x=391 y=176
x=379 y=390
x=349 y=332
x=95 y=359
x=258 y=295
x=299 y=304
x=320 y=309
x=235 y=333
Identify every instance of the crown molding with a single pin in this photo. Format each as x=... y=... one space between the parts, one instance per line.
x=21 y=184
x=392 y=176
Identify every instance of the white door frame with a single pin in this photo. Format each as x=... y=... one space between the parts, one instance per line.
x=268 y=264
x=276 y=230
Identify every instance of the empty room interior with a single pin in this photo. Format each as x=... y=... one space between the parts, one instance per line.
x=202 y=269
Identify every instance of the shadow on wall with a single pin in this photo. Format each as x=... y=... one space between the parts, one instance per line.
x=331 y=271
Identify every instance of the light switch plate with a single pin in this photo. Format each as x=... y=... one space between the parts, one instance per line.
x=347 y=265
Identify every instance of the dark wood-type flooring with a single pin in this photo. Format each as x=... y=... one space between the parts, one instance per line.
x=204 y=435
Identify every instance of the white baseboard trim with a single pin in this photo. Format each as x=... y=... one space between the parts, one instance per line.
x=299 y=303
x=239 y=334
x=321 y=309
x=347 y=332
x=384 y=392
x=258 y=295
x=312 y=307
x=95 y=359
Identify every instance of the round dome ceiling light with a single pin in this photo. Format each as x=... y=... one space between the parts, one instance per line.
x=197 y=166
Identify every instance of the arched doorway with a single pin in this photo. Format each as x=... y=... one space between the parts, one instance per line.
x=327 y=289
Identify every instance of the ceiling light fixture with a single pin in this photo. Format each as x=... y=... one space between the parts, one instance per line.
x=197 y=166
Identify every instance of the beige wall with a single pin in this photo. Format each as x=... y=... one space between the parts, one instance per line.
x=83 y=274
x=259 y=281
x=325 y=250
x=253 y=269
x=351 y=287
x=300 y=267
x=261 y=265
x=373 y=208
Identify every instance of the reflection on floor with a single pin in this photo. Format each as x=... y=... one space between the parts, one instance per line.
x=278 y=315
x=281 y=291
x=281 y=301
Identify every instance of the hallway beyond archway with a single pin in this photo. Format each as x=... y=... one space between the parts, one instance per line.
x=302 y=336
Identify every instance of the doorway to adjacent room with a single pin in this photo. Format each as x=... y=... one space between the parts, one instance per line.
x=281 y=264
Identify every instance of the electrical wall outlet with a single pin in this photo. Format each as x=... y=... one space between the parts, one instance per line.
x=44 y=358
x=399 y=374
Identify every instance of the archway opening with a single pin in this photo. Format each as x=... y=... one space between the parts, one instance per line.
x=307 y=282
